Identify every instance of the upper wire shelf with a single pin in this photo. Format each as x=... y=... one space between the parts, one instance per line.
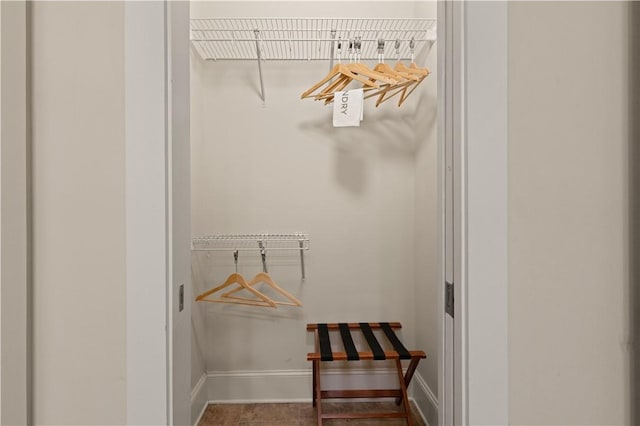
x=226 y=242
x=308 y=38
x=263 y=242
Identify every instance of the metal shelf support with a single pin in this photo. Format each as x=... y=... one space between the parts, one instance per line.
x=259 y=56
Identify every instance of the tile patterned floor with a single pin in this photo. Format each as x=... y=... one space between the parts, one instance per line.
x=294 y=414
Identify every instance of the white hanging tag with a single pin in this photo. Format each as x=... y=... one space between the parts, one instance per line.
x=348 y=108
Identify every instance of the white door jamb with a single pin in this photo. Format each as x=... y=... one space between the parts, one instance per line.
x=477 y=100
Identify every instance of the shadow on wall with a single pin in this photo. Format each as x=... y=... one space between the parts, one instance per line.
x=390 y=133
x=634 y=206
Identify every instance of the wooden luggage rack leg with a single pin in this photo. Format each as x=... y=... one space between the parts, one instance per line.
x=323 y=353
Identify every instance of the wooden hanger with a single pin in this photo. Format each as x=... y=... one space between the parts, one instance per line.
x=329 y=97
x=363 y=69
x=238 y=279
x=385 y=69
x=263 y=277
x=413 y=76
x=413 y=68
x=404 y=78
x=375 y=77
x=423 y=72
x=356 y=71
x=388 y=92
x=338 y=72
x=337 y=86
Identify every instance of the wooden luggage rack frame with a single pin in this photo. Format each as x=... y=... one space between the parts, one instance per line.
x=323 y=352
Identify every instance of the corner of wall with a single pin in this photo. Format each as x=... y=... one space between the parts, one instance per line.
x=199 y=399
x=425 y=400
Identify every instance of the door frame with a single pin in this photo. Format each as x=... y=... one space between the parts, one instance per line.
x=15 y=222
x=473 y=127
x=158 y=212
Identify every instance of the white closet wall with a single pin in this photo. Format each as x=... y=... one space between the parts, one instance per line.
x=365 y=196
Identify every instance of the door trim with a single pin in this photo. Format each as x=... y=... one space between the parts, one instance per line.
x=147 y=239
x=477 y=101
x=15 y=225
x=158 y=233
x=485 y=195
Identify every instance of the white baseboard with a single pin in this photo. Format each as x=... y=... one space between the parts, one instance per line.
x=425 y=400
x=227 y=387
x=199 y=399
x=290 y=385
x=259 y=386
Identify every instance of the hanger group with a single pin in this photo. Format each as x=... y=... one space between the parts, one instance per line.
x=382 y=81
x=236 y=283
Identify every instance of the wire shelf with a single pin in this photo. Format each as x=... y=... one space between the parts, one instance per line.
x=263 y=242
x=307 y=38
x=230 y=242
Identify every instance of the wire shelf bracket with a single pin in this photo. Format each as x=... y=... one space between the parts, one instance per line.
x=298 y=39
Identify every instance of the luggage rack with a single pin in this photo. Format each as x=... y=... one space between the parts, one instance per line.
x=324 y=352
